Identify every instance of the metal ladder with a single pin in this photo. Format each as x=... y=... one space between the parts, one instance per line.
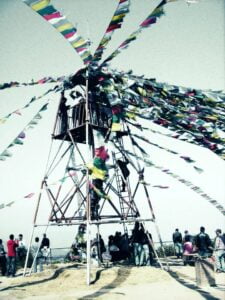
x=127 y=205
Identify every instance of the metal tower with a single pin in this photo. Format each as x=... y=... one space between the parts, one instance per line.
x=93 y=185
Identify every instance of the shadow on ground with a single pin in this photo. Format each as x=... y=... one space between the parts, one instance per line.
x=121 y=276
x=52 y=277
x=178 y=277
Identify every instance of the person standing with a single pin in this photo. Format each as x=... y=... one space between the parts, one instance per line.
x=188 y=236
x=188 y=249
x=2 y=259
x=21 y=250
x=136 y=242
x=177 y=240
x=63 y=113
x=45 y=247
x=45 y=241
x=203 y=243
x=145 y=258
x=11 y=259
x=101 y=246
x=219 y=251
x=37 y=255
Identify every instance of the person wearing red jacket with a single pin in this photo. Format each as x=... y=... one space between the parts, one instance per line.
x=11 y=259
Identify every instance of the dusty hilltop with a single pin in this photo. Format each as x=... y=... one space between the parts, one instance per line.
x=68 y=281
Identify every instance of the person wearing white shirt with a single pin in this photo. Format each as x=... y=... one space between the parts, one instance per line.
x=219 y=251
x=21 y=250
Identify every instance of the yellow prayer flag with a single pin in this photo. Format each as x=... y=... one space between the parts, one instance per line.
x=79 y=43
x=215 y=135
x=64 y=27
x=116 y=127
x=213 y=117
x=164 y=93
x=115 y=18
x=40 y=4
x=131 y=114
x=179 y=115
x=142 y=92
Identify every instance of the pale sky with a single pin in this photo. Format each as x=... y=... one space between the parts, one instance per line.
x=185 y=47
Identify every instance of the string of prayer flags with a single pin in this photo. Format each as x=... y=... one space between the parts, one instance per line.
x=18 y=111
x=44 y=80
x=150 y=20
x=5 y=154
x=137 y=145
x=194 y=116
x=188 y=183
x=185 y=158
x=161 y=186
x=19 y=139
x=9 y=204
x=63 y=26
x=32 y=194
x=116 y=22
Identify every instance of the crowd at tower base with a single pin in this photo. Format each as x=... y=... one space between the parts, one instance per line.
x=136 y=249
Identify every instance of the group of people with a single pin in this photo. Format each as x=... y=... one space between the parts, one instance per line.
x=136 y=248
x=201 y=244
x=16 y=251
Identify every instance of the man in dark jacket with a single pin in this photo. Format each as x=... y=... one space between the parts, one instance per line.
x=177 y=240
x=203 y=243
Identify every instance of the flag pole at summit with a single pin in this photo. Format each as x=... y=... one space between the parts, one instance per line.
x=88 y=204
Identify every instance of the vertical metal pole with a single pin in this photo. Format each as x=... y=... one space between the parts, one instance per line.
x=157 y=227
x=88 y=206
x=34 y=223
x=98 y=244
x=28 y=252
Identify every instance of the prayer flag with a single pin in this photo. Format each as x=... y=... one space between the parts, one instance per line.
x=38 y=5
x=29 y=195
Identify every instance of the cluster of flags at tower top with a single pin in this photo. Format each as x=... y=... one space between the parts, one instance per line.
x=69 y=31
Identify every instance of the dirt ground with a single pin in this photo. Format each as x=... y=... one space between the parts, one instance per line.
x=68 y=281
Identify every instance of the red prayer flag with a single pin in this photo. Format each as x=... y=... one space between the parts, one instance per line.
x=148 y=22
x=52 y=16
x=113 y=27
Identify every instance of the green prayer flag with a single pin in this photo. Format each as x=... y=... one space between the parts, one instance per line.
x=44 y=107
x=18 y=142
x=6 y=153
